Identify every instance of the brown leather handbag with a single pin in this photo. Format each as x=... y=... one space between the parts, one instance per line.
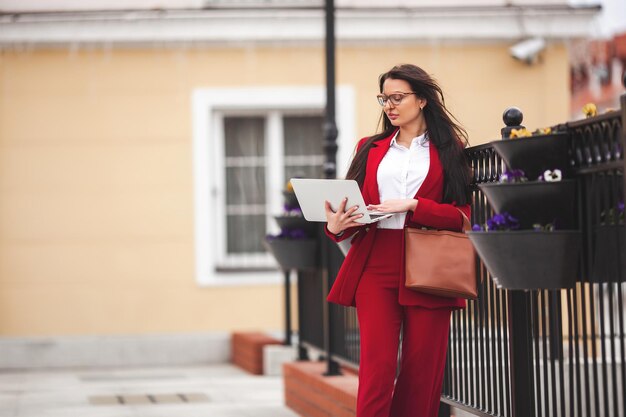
x=441 y=262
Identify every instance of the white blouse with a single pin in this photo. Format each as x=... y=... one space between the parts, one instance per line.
x=401 y=173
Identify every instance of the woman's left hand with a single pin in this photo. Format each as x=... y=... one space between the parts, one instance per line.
x=394 y=206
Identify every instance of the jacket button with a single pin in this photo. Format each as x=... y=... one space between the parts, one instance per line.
x=367 y=229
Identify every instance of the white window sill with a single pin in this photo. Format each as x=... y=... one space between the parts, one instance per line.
x=240 y=278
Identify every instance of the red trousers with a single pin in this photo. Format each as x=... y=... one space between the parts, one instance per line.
x=424 y=340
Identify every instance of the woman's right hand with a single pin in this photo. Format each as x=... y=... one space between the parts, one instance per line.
x=340 y=220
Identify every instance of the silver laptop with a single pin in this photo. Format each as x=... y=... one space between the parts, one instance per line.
x=312 y=193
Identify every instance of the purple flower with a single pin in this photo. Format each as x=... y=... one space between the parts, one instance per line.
x=477 y=228
x=289 y=234
x=514 y=175
x=620 y=207
x=292 y=209
x=501 y=221
x=511 y=222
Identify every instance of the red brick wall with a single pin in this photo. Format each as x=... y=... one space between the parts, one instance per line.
x=247 y=350
x=311 y=394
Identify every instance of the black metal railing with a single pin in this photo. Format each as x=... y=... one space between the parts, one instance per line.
x=565 y=347
x=478 y=365
x=337 y=336
x=310 y=312
x=531 y=353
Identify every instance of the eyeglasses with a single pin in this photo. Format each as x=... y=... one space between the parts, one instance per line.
x=395 y=98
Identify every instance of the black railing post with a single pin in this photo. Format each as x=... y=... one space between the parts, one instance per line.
x=513 y=118
x=330 y=171
x=519 y=313
x=623 y=140
x=520 y=351
x=287 y=341
x=444 y=410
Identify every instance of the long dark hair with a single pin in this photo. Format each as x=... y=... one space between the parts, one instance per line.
x=443 y=132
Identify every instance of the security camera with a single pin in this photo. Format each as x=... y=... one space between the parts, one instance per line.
x=528 y=50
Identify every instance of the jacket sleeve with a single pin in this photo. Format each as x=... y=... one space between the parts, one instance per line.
x=352 y=230
x=346 y=233
x=445 y=216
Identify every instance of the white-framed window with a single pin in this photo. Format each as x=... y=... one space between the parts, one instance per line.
x=259 y=150
x=247 y=142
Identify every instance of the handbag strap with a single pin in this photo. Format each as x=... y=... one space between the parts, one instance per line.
x=467 y=226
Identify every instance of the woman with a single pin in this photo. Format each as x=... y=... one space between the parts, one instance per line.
x=417 y=169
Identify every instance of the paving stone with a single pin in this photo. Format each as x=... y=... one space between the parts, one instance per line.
x=104 y=400
x=196 y=397
x=167 y=398
x=219 y=390
x=136 y=399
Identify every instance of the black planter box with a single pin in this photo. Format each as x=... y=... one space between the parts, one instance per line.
x=609 y=254
x=535 y=154
x=294 y=253
x=528 y=260
x=535 y=202
x=296 y=222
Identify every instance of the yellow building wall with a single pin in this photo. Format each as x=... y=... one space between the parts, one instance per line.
x=96 y=186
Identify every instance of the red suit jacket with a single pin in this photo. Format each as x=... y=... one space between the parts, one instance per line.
x=430 y=212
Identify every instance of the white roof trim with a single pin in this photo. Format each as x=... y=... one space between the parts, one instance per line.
x=96 y=5
x=259 y=26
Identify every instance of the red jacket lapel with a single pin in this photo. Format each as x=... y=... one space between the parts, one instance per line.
x=376 y=155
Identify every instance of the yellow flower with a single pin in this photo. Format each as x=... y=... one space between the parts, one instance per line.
x=543 y=131
x=590 y=110
x=519 y=133
x=289 y=187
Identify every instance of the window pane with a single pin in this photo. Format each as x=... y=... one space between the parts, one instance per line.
x=314 y=171
x=244 y=148
x=244 y=136
x=245 y=185
x=303 y=146
x=245 y=233
x=303 y=135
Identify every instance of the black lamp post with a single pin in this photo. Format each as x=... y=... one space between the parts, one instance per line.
x=330 y=171
x=330 y=126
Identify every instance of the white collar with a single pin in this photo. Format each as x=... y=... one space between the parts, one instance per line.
x=421 y=139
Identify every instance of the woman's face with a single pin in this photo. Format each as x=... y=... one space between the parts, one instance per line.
x=409 y=110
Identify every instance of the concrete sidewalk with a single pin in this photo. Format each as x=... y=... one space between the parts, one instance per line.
x=200 y=391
